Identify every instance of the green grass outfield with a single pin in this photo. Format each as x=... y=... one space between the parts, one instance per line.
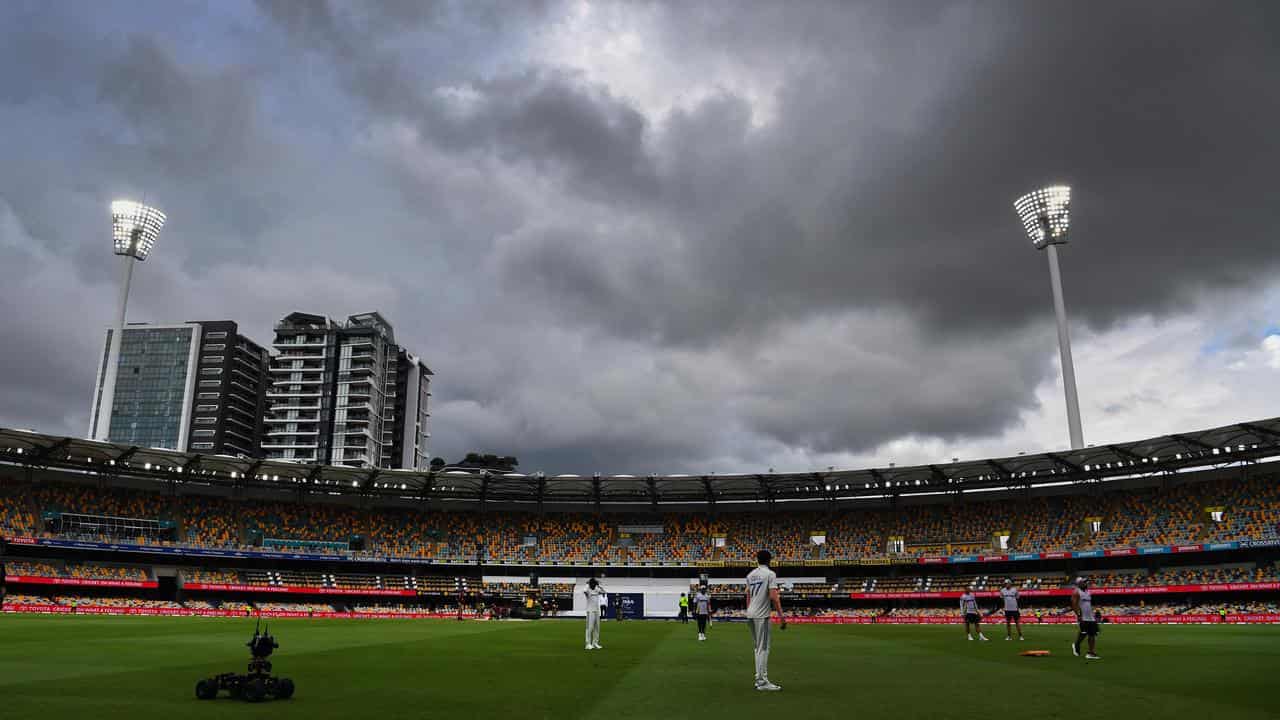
x=138 y=668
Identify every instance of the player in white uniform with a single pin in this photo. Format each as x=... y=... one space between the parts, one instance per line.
x=1082 y=606
x=969 y=608
x=1012 y=616
x=595 y=595
x=702 y=611
x=762 y=599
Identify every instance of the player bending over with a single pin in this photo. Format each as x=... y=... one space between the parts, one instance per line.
x=762 y=599
x=1082 y=606
x=969 y=608
x=1012 y=616
x=594 y=595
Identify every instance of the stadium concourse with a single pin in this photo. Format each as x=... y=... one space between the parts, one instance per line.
x=1183 y=528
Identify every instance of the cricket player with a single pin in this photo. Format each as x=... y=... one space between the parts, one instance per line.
x=969 y=608
x=595 y=594
x=1082 y=606
x=762 y=599
x=1012 y=616
x=702 y=611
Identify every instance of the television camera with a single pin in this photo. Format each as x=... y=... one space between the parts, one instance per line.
x=258 y=683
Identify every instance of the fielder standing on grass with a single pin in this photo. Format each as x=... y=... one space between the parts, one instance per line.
x=969 y=608
x=702 y=611
x=1012 y=616
x=594 y=593
x=762 y=600
x=1082 y=606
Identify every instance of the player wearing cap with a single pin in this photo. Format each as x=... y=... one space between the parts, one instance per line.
x=969 y=608
x=595 y=595
x=702 y=611
x=1082 y=606
x=1012 y=616
x=762 y=600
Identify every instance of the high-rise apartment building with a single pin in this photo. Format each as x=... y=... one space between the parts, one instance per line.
x=345 y=393
x=194 y=386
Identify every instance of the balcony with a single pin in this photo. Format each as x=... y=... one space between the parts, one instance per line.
x=251 y=377
x=236 y=433
x=289 y=446
x=274 y=423
x=300 y=412
x=308 y=379
x=291 y=433
x=241 y=402
x=305 y=355
x=278 y=394
x=286 y=365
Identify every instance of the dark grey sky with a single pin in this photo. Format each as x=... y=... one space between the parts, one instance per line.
x=646 y=237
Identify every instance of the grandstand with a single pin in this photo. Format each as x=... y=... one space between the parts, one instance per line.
x=1182 y=515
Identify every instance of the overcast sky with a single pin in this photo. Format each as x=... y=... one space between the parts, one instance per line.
x=648 y=237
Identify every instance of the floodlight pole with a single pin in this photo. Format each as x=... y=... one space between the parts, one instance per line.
x=1064 y=348
x=134 y=230
x=104 y=406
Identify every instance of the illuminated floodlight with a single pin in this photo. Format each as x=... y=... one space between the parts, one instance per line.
x=1046 y=218
x=135 y=228
x=1046 y=214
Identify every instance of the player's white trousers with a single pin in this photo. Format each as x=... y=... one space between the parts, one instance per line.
x=760 y=630
x=593 y=628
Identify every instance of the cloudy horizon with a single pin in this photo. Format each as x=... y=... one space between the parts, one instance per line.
x=647 y=237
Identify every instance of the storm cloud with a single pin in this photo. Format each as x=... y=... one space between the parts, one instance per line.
x=643 y=237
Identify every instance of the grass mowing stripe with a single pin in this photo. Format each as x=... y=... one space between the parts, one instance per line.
x=141 y=668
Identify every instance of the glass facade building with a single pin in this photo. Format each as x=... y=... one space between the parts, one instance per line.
x=196 y=386
x=153 y=386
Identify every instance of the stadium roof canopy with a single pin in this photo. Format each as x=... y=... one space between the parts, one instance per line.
x=1240 y=443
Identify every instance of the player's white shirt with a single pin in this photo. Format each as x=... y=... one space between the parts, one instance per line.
x=1086 y=605
x=968 y=604
x=759 y=583
x=595 y=598
x=1010 y=595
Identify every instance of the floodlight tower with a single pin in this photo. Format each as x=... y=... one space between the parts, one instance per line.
x=1046 y=216
x=134 y=230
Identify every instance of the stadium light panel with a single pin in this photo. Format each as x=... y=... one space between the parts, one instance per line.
x=135 y=228
x=1045 y=214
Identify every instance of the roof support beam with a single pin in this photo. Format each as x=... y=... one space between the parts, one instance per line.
x=941 y=477
x=49 y=450
x=1259 y=430
x=1126 y=453
x=1064 y=463
x=428 y=484
x=766 y=491
x=1193 y=442
x=124 y=456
